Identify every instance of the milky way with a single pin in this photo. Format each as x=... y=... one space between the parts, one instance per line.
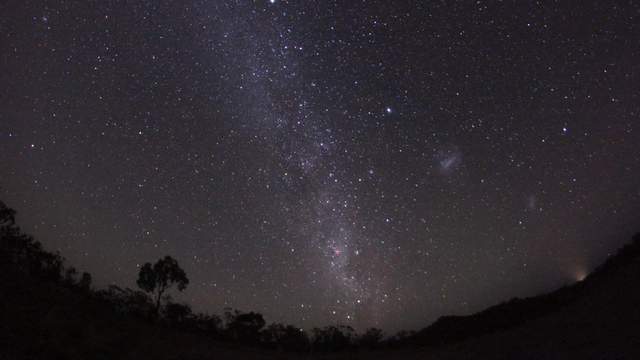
x=363 y=163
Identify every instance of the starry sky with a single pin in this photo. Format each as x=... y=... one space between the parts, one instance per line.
x=369 y=163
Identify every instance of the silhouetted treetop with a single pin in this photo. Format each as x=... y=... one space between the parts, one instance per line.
x=7 y=215
x=156 y=279
x=244 y=327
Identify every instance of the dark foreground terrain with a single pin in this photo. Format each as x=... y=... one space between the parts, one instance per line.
x=44 y=318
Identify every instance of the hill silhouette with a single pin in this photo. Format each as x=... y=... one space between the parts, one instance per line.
x=50 y=311
x=597 y=318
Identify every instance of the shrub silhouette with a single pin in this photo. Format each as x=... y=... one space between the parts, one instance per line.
x=244 y=327
x=23 y=252
x=371 y=338
x=128 y=301
x=332 y=338
x=156 y=279
x=176 y=313
x=70 y=276
x=285 y=337
x=85 y=281
x=207 y=323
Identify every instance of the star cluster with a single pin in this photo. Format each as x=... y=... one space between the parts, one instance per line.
x=365 y=163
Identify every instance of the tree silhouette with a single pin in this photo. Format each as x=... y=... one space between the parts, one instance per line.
x=85 y=281
x=7 y=216
x=156 y=279
x=244 y=327
x=176 y=313
x=70 y=276
x=285 y=337
x=371 y=338
x=207 y=323
x=332 y=338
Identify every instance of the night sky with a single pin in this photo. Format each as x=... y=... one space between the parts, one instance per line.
x=356 y=162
